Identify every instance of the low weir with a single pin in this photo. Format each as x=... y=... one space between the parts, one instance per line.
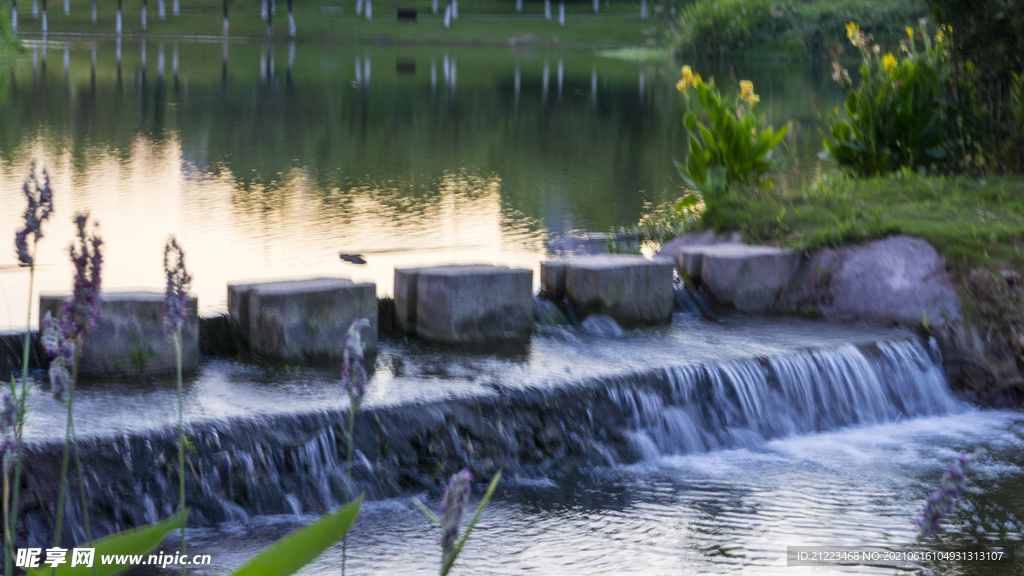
x=284 y=462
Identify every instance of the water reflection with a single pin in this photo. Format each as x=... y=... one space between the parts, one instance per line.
x=358 y=154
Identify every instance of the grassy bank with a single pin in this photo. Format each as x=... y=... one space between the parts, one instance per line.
x=787 y=28
x=970 y=222
x=10 y=47
x=486 y=21
x=976 y=225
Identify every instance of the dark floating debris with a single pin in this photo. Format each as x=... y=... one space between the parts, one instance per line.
x=352 y=258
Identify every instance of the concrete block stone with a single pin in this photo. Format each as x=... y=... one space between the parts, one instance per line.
x=465 y=303
x=129 y=335
x=303 y=320
x=631 y=289
x=748 y=277
x=552 y=279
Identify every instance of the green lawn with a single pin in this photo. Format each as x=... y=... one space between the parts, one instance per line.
x=480 y=21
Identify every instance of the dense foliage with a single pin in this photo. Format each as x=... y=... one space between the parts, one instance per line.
x=988 y=92
x=896 y=115
x=788 y=28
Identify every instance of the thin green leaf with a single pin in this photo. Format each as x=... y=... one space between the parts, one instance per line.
x=135 y=542
x=426 y=511
x=291 y=553
x=479 y=510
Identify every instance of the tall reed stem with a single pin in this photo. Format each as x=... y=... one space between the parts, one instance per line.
x=11 y=510
x=348 y=480
x=176 y=339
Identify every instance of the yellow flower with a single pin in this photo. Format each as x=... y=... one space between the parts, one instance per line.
x=852 y=29
x=939 y=36
x=910 y=32
x=690 y=78
x=747 y=92
x=889 y=62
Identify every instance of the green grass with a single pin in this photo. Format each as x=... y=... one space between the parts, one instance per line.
x=480 y=21
x=972 y=223
x=788 y=28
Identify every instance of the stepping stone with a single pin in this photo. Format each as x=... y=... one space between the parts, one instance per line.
x=129 y=335
x=630 y=289
x=301 y=321
x=465 y=303
x=552 y=279
x=748 y=277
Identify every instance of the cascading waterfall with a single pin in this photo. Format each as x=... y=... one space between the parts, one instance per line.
x=743 y=403
x=292 y=463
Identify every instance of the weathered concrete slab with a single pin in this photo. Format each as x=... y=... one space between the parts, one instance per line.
x=703 y=238
x=238 y=308
x=129 y=336
x=688 y=259
x=748 y=277
x=303 y=320
x=631 y=289
x=552 y=279
x=466 y=303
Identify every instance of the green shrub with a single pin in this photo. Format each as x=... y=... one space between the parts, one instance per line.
x=735 y=146
x=896 y=115
x=787 y=28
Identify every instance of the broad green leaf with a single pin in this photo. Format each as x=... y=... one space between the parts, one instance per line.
x=291 y=553
x=134 y=542
x=447 y=566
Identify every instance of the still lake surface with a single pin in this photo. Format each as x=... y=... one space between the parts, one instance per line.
x=267 y=161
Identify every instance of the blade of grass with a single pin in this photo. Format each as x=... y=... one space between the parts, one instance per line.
x=291 y=553
x=134 y=542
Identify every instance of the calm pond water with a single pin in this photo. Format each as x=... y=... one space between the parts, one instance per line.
x=266 y=162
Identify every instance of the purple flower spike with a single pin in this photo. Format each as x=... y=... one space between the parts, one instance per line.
x=54 y=337
x=944 y=500
x=178 y=282
x=83 y=308
x=456 y=497
x=40 y=206
x=353 y=368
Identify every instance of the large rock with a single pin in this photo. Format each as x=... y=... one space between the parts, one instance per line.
x=470 y=303
x=898 y=280
x=631 y=289
x=129 y=335
x=748 y=277
x=303 y=320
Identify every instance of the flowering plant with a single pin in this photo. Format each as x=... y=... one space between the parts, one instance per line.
x=896 y=115
x=734 y=147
